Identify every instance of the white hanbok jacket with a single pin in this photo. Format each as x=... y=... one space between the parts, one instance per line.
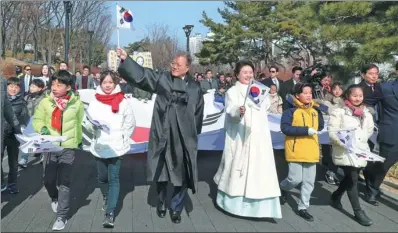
x=247 y=166
x=121 y=124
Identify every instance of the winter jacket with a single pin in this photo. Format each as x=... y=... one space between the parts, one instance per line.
x=7 y=113
x=276 y=103
x=32 y=100
x=72 y=117
x=295 y=122
x=342 y=118
x=121 y=126
x=332 y=103
x=20 y=110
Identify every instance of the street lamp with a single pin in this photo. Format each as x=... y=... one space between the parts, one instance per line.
x=187 y=30
x=68 y=9
x=91 y=33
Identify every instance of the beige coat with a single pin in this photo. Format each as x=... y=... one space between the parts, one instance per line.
x=247 y=166
x=276 y=103
x=342 y=118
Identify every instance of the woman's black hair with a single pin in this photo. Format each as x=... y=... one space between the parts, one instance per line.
x=349 y=90
x=38 y=83
x=240 y=64
x=114 y=75
x=299 y=87
x=49 y=70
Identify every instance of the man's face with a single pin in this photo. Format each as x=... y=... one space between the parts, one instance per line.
x=28 y=70
x=229 y=79
x=209 y=74
x=273 y=72
x=97 y=76
x=63 y=66
x=297 y=75
x=371 y=75
x=199 y=78
x=179 y=67
x=222 y=78
x=85 y=72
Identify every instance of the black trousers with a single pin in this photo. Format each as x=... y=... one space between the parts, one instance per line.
x=327 y=160
x=349 y=184
x=177 y=200
x=375 y=172
x=12 y=145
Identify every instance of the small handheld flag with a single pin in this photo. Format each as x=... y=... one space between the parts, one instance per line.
x=124 y=17
x=257 y=92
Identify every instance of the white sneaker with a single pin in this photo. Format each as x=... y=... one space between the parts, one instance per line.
x=59 y=224
x=54 y=206
x=23 y=163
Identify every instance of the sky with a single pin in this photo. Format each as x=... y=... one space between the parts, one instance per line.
x=175 y=14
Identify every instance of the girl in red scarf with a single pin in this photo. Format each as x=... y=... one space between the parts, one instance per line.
x=111 y=120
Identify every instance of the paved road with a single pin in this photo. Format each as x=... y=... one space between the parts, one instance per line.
x=30 y=210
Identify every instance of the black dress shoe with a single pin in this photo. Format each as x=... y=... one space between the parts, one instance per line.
x=304 y=214
x=175 y=216
x=161 y=209
x=362 y=218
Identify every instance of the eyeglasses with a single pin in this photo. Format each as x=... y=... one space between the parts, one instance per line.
x=176 y=64
x=273 y=71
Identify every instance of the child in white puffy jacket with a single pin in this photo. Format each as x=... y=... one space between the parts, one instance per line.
x=355 y=115
x=111 y=120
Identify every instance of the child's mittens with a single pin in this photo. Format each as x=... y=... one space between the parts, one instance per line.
x=312 y=131
x=44 y=131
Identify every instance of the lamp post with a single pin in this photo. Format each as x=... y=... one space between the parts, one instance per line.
x=187 y=30
x=68 y=9
x=90 y=48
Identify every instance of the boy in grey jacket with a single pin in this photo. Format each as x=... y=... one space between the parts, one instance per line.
x=36 y=94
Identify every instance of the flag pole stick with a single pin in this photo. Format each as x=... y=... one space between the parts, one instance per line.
x=118 y=38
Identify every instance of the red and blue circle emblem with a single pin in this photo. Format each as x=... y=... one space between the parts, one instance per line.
x=254 y=91
x=127 y=17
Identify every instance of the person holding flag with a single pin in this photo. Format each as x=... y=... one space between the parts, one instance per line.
x=247 y=178
x=354 y=115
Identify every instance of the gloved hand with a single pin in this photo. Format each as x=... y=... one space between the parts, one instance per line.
x=44 y=131
x=17 y=129
x=312 y=131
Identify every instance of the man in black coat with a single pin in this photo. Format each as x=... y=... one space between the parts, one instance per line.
x=273 y=79
x=176 y=123
x=288 y=85
x=386 y=96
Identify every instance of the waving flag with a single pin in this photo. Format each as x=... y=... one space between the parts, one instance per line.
x=257 y=92
x=124 y=17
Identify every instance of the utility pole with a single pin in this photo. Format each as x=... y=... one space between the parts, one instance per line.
x=68 y=9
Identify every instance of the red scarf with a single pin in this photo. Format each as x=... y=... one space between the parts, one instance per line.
x=56 y=118
x=113 y=100
x=356 y=111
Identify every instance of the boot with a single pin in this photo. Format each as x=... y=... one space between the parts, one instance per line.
x=362 y=218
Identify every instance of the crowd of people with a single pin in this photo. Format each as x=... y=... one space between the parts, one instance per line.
x=248 y=156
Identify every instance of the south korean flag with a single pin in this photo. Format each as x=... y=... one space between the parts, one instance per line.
x=257 y=92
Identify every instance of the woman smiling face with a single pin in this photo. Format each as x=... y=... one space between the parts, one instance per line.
x=245 y=74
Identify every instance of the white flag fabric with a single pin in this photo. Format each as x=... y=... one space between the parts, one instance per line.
x=211 y=138
x=124 y=17
x=257 y=92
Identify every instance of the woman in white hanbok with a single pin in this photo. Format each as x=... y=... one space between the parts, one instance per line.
x=246 y=178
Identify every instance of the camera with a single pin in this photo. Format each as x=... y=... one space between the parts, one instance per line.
x=313 y=75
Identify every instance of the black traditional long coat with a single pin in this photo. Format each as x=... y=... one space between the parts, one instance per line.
x=176 y=123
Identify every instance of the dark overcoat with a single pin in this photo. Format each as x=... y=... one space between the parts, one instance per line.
x=176 y=123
